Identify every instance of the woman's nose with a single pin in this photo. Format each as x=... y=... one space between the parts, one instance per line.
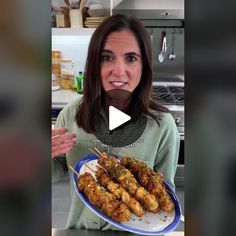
x=119 y=68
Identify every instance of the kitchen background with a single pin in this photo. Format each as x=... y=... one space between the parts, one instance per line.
x=71 y=32
x=73 y=42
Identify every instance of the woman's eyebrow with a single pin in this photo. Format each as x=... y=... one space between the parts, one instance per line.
x=132 y=54
x=126 y=54
x=106 y=50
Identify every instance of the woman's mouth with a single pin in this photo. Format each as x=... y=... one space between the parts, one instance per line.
x=118 y=83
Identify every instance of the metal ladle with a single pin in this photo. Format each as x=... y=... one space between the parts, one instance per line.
x=172 y=56
x=162 y=55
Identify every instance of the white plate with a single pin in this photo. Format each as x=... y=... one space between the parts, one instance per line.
x=149 y=224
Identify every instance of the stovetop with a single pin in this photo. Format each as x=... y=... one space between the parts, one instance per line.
x=169 y=95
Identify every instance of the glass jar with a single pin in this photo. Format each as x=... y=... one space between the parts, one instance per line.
x=56 y=62
x=60 y=18
x=67 y=74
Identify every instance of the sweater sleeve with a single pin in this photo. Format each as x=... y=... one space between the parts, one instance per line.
x=168 y=151
x=58 y=164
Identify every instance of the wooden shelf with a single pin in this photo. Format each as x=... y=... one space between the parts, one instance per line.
x=72 y=31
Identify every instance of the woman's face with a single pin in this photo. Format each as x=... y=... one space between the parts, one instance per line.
x=121 y=66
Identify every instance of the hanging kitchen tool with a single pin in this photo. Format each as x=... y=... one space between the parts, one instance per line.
x=162 y=55
x=172 y=56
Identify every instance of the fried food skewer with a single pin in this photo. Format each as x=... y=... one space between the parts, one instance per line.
x=150 y=180
x=127 y=180
x=120 y=192
x=117 y=189
x=103 y=199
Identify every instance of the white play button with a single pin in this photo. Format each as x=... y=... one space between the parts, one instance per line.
x=117 y=118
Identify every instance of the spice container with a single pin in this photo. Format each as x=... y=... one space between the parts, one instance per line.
x=56 y=62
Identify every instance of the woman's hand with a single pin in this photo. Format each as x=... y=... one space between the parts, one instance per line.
x=62 y=142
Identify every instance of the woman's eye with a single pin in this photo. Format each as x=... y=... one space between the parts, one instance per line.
x=131 y=58
x=106 y=58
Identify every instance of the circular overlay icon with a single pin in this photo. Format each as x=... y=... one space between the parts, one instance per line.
x=120 y=122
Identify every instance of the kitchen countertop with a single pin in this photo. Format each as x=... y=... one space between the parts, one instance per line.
x=63 y=232
x=63 y=96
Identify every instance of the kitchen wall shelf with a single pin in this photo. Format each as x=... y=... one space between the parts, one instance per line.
x=81 y=31
x=72 y=31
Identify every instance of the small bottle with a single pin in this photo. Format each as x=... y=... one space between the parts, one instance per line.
x=80 y=80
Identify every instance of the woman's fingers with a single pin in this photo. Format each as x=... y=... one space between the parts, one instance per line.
x=62 y=142
x=62 y=148
x=59 y=131
x=62 y=138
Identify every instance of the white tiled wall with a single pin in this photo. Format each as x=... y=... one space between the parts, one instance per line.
x=73 y=47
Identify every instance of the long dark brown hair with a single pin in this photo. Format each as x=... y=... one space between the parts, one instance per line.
x=87 y=109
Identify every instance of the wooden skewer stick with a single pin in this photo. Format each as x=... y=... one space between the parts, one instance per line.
x=89 y=167
x=98 y=151
x=93 y=152
x=74 y=170
x=101 y=154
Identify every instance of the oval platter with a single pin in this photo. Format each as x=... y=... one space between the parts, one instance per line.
x=149 y=224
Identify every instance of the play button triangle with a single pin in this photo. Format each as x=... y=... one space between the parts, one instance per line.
x=117 y=118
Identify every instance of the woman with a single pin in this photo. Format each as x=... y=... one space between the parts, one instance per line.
x=119 y=59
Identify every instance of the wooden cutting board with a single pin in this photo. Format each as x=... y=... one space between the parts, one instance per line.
x=92 y=26
x=93 y=22
x=95 y=18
